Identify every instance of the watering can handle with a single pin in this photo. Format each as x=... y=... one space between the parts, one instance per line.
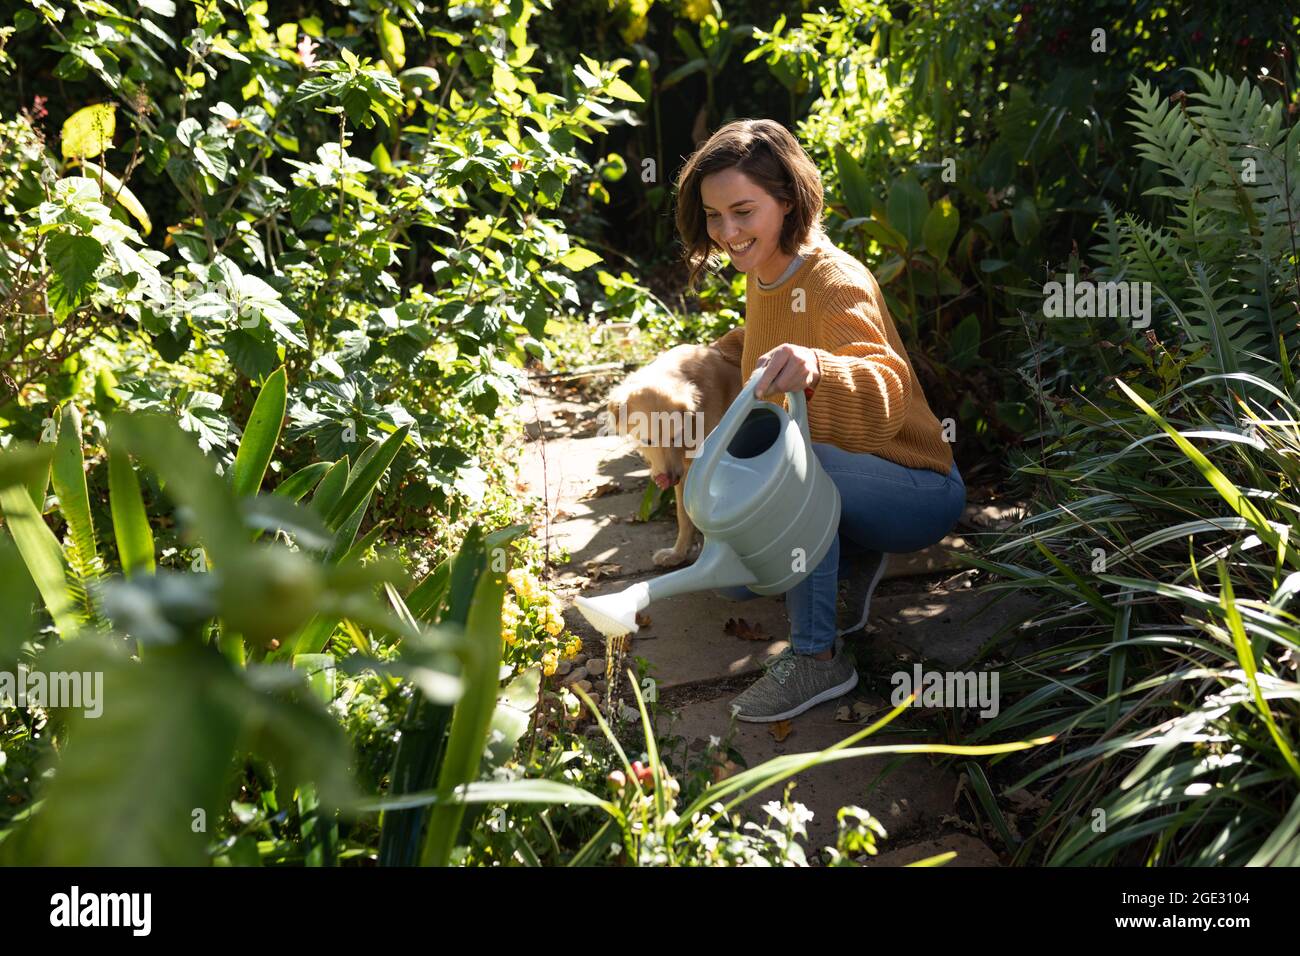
x=721 y=436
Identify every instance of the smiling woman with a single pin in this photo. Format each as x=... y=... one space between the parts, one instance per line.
x=815 y=319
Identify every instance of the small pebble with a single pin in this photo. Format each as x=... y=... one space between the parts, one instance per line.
x=563 y=668
x=584 y=684
x=600 y=686
x=579 y=659
x=596 y=666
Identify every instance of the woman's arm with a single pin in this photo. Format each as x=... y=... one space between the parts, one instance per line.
x=865 y=388
x=732 y=345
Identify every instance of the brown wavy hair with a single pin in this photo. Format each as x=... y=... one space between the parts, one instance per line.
x=767 y=153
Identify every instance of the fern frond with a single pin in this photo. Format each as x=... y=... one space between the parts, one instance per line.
x=1168 y=139
x=1108 y=250
x=1235 y=113
x=1219 y=321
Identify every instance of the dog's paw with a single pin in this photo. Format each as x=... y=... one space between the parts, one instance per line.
x=668 y=558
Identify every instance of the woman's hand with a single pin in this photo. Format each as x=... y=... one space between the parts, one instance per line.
x=788 y=368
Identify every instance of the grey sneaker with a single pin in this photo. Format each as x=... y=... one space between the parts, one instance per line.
x=793 y=683
x=865 y=572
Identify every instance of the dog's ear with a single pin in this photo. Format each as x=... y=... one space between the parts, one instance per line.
x=614 y=422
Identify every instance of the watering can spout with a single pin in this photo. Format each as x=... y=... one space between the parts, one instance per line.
x=718 y=566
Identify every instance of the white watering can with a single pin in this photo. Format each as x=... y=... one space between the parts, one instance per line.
x=763 y=502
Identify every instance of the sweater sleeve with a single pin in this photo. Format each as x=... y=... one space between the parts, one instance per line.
x=732 y=345
x=866 y=386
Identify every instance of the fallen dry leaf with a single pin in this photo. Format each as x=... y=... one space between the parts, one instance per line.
x=601 y=569
x=780 y=730
x=724 y=770
x=606 y=487
x=858 y=712
x=862 y=710
x=739 y=627
x=1026 y=801
x=642 y=620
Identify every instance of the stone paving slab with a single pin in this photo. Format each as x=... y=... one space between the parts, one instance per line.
x=597 y=531
x=938 y=557
x=915 y=794
x=971 y=851
x=572 y=467
x=942 y=626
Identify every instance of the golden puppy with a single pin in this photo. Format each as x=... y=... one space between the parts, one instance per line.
x=669 y=406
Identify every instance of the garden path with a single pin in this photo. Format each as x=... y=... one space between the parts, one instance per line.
x=587 y=489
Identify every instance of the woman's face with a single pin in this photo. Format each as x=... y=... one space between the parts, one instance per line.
x=745 y=220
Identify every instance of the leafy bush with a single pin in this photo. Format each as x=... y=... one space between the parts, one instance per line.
x=1169 y=673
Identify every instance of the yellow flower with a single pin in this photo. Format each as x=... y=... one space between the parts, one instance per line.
x=572 y=648
x=549 y=663
x=551 y=615
x=526 y=585
x=697 y=10
x=510 y=618
x=634 y=30
x=553 y=622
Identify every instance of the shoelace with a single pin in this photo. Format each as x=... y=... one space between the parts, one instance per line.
x=781 y=666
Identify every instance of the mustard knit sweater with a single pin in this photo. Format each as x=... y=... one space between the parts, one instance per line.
x=868 y=399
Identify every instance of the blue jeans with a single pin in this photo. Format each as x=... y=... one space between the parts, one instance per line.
x=884 y=507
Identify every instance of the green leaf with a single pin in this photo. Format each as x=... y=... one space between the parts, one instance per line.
x=41 y=553
x=621 y=90
x=69 y=478
x=965 y=343
x=426 y=598
x=511 y=718
x=1246 y=656
x=89 y=131
x=681 y=73
x=472 y=716
x=424 y=78
x=1024 y=221
x=260 y=437
x=392 y=46
x=579 y=259
x=135 y=546
x=73 y=261
x=381 y=160
x=17 y=594
x=302 y=481
x=907 y=207
x=24 y=464
x=365 y=478
x=940 y=228
x=853 y=183
x=112 y=186
x=331 y=487
x=492 y=791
